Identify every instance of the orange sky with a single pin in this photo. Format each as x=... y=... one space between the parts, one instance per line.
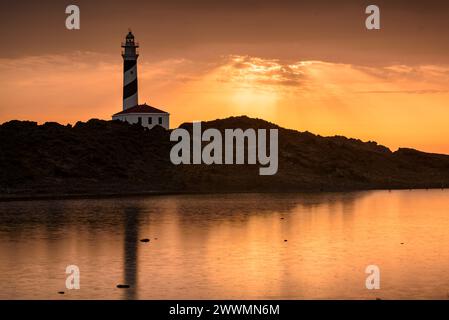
x=390 y=86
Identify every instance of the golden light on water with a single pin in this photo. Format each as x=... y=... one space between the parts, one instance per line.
x=230 y=246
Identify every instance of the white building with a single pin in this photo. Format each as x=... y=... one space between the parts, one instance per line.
x=143 y=114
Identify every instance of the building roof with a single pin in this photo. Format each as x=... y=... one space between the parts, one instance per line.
x=141 y=108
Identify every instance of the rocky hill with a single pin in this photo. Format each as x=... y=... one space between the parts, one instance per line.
x=112 y=157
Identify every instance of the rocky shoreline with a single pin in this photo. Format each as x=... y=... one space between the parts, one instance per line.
x=113 y=159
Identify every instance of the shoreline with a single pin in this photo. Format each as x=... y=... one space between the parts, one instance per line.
x=64 y=196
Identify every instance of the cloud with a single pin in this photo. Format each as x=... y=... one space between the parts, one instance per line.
x=431 y=74
x=248 y=70
x=330 y=78
x=404 y=91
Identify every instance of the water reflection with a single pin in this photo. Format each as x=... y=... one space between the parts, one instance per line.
x=131 y=225
x=228 y=246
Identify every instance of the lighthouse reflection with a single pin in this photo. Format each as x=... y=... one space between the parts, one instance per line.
x=131 y=236
x=227 y=246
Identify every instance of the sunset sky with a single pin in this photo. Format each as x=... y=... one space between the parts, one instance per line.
x=305 y=65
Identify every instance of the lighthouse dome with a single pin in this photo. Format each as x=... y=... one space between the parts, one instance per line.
x=130 y=35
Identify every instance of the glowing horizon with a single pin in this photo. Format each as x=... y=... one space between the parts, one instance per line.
x=384 y=104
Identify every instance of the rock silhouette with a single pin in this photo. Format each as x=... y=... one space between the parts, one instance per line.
x=112 y=157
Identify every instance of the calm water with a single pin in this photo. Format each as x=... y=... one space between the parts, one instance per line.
x=229 y=246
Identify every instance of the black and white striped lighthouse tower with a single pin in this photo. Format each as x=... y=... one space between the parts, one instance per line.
x=130 y=55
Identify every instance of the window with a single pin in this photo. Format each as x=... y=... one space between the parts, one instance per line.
x=150 y=120
x=139 y=120
x=160 y=120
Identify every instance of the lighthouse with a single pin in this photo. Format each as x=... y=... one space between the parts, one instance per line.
x=130 y=55
x=143 y=114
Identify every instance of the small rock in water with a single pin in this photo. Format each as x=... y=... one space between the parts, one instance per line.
x=123 y=286
x=145 y=240
x=402 y=242
x=285 y=240
x=61 y=292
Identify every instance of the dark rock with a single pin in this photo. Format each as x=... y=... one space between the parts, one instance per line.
x=107 y=157
x=145 y=240
x=122 y=286
x=61 y=292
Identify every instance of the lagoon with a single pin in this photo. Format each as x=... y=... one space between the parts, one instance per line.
x=229 y=246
